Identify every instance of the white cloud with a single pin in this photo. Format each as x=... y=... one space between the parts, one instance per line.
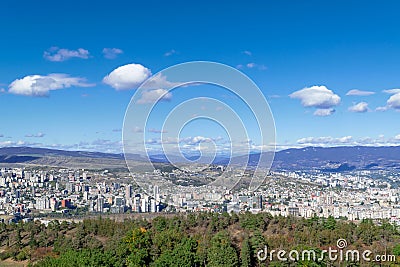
x=165 y=141
x=328 y=141
x=321 y=112
x=38 y=135
x=392 y=91
x=196 y=140
x=381 y=108
x=359 y=107
x=356 y=92
x=152 y=96
x=394 y=101
x=10 y=143
x=128 y=76
x=38 y=85
x=137 y=130
x=252 y=65
x=246 y=52
x=111 y=53
x=325 y=140
x=160 y=81
x=170 y=53
x=317 y=96
x=153 y=130
x=61 y=54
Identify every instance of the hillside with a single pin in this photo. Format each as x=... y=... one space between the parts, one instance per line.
x=325 y=159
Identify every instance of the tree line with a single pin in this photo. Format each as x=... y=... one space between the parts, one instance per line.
x=198 y=239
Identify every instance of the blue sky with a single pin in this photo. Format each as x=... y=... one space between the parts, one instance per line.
x=305 y=56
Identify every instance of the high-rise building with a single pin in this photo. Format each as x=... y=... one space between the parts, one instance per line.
x=53 y=204
x=128 y=191
x=156 y=193
x=42 y=203
x=153 y=207
x=144 y=205
x=100 y=204
x=91 y=206
x=136 y=204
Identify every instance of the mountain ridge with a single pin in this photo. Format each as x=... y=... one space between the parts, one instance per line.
x=342 y=158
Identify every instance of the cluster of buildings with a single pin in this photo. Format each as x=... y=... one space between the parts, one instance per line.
x=352 y=196
x=26 y=193
x=29 y=192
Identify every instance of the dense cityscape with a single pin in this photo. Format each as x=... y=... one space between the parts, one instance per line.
x=28 y=193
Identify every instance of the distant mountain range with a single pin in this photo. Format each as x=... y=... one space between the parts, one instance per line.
x=17 y=151
x=335 y=158
x=332 y=159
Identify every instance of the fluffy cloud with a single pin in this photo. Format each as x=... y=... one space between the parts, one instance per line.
x=126 y=77
x=152 y=96
x=38 y=85
x=359 y=108
x=38 y=135
x=160 y=81
x=356 y=92
x=394 y=101
x=317 y=96
x=111 y=53
x=321 y=112
x=61 y=54
x=247 y=52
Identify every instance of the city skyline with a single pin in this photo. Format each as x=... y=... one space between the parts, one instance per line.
x=328 y=70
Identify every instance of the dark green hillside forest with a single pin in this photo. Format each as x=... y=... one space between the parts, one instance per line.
x=201 y=239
